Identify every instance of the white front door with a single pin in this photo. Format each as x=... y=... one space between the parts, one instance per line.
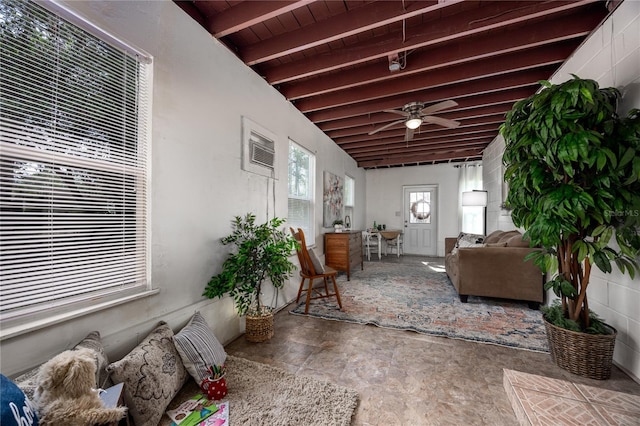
x=420 y=224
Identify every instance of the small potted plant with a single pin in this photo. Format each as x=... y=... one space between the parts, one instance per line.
x=573 y=171
x=338 y=225
x=261 y=252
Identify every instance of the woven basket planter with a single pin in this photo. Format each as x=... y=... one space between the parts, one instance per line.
x=587 y=355
x=259 y=328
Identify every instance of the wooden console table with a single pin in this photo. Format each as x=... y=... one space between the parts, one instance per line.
x=343 y=251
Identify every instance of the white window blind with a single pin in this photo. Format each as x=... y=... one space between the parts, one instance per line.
x=301 y=193
x=74 y=115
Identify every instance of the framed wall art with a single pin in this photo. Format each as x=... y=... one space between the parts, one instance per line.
x=332 y=198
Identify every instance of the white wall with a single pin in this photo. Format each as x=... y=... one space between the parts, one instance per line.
x=611 y=56
x=385 y=193
x=200 y=93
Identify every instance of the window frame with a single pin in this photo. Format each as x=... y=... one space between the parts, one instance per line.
x=132 y=163
x=310 y=234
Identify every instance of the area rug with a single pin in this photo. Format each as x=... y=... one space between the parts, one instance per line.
x=259 y=394
x=420 y=298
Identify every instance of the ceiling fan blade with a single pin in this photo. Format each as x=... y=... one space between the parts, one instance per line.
x=386 y=126
x=439 y=106
x=397 y=111
x=451 y=124
x=409 y=134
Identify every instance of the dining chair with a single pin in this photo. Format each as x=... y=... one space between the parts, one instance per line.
x=394 y=244
x=311 y=268
x=372 y=244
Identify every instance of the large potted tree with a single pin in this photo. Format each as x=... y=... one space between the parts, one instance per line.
x=261 y=252
x=573 y=171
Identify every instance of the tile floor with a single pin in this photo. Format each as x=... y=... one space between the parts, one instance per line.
x=405 y=378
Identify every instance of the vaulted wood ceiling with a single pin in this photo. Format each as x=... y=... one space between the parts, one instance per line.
x=331 y=59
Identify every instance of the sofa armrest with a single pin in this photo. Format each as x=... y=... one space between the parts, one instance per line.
x=449 y=244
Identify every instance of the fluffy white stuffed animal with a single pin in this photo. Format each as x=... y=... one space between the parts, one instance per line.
x=66 y=392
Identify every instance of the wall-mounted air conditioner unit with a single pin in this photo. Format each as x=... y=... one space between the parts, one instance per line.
x=258 y=149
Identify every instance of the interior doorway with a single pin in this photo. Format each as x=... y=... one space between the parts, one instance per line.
x=420 y=220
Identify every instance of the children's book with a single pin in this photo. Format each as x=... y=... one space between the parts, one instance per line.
x=220 y=417
x=193 y=411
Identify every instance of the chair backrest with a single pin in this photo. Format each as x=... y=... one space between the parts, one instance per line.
x=306 y=266
x=370 y=240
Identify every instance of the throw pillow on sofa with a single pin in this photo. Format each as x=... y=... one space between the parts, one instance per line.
x=199 y=348
x=152 y=373
x=468 y=240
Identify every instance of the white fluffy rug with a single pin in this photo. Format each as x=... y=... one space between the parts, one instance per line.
x=263 y=395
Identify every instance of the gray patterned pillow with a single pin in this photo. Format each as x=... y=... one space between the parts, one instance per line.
x=94 y=342
x=153 y=374
x=199 y=348
x=27 y=381
x=317 y=263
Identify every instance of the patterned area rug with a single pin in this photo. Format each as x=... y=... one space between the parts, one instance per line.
x=420 y=298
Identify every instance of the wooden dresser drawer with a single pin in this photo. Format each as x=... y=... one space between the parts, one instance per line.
x=343 y=250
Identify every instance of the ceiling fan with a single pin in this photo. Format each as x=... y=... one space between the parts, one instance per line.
x=416 y=113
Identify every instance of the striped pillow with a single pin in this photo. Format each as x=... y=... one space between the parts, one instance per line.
x=199 y=348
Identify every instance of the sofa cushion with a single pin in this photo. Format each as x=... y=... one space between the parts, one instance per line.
x=507 y=235
x=15 y=407
x=153 y=374
x=493 y=237
x=199 y=348
x=499 y=244
x=517 y=241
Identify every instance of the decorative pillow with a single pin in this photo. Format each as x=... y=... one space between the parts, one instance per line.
x=15 y=407
x=199 y=348
x=464 y=239
x=153 y=374
x=93 y=342
x=317 y=263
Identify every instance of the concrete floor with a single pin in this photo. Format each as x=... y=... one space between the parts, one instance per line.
x=405 y=378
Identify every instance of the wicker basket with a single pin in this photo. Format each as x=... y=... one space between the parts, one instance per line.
x=587 y=355
x=259 y=328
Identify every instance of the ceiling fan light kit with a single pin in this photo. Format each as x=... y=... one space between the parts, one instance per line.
x=413 y=123
x=416 y=113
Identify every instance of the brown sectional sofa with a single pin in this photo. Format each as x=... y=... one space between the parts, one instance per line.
x=494 y=267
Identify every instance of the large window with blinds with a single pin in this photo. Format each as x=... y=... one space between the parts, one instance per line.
x=301 y=194
x=74 y=115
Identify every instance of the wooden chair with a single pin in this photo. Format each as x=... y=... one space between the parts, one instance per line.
x=308 y=271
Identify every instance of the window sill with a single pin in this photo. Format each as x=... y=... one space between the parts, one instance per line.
x=29 y=326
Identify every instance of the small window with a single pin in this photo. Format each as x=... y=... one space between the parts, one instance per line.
x=73 y=165
x=349 y=198
x=301 y=190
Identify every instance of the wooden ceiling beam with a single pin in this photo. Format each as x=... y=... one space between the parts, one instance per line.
x=496 y=66
x=352 y=22
x=465 y=122
x=463 y=51
x=248 y=13
x=521 y=79
x=418 y=150
x=413 y=159
x=468 y=23
x=418 y=139
x=400 y=131
x=478 y=109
